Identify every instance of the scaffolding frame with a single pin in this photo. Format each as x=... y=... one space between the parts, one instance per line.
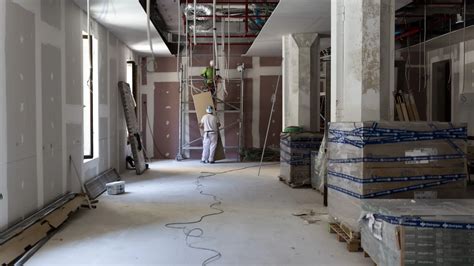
x=186 y=90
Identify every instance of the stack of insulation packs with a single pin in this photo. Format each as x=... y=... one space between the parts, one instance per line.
x=393 y=160
x=295 y=157
x=419 y=232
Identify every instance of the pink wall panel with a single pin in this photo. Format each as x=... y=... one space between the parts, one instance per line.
x=166 y=119
x=270 y=61
x=267 y=88
x=165 y=64
x=145 y=128
x=248 y=112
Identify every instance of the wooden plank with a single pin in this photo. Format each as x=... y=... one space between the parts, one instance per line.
x=17 y=246
x=405 y=113
x=59 y=216
x=201 y=101
x=399 y=112
x=352 y=243
x=415 y=108
x=29 y=237
x=411 y=116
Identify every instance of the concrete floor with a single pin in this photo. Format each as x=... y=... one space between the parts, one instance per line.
x=257 y=227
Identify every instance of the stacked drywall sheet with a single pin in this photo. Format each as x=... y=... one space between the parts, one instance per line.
x=393 y=160
x=295 y=157
x=419 y=232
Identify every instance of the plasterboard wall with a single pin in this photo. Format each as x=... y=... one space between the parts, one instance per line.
x=458 y=47
x=41 y=104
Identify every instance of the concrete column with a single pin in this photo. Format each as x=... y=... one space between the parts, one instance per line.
x=301 y=80
x=362 y=60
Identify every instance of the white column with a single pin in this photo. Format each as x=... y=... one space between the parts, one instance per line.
x=301 y=80
x=362 y=58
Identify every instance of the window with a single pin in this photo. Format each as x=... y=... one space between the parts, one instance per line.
x=131 y=74
x=90 y=97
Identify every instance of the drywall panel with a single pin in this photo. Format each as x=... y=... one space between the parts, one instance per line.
x=3 y=197
x=267 y=88
x=52 y=174
x=166 y=119
x=22 y=192
x=51 y=12
x=52 y=122
x=113 y=153
x=74 y=151
x=3 y=122
x=270 y=61
x=103 y=128
x=103 y=66
x=74 y=54
x=104 y=155
x=113 y=41
x=165 y=64
x=231 y=131
x=51 y=96
x=248 y=112
x=113 y=91
x=144 y=123
x=90 y=173
x=20 y=82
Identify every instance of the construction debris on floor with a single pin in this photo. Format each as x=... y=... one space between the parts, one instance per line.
x=28 y=233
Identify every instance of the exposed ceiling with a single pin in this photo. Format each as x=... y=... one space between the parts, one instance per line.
x=127 y=20
x=293 y=16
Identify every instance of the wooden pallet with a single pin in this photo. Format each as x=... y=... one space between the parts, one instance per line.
x=344 y=234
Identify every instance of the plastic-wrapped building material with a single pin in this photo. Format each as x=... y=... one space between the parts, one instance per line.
x=319 y=166
x=419 y=232
x=393 y=160
x=295 y=157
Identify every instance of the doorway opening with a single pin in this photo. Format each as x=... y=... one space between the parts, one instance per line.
x=441 y=91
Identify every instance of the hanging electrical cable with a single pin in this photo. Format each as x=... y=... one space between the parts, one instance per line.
x=214 y=42
x=194 y=26
x=274 y=96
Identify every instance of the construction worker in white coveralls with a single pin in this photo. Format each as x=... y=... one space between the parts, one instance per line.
x=210 y=124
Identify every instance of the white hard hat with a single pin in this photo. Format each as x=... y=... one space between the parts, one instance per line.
x=211 y=63
x=209 y=109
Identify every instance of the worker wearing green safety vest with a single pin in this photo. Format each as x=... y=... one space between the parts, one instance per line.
x=208 y=74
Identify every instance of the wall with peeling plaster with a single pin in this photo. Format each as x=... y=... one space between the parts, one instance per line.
x=41 y=104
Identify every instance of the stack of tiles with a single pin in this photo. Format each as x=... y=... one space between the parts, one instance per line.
x=393 y=160
x=421 y=232
x=295 y=157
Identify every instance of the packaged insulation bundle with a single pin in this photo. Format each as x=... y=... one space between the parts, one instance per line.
x=418 y=232
x=295 y=156
x=393 y=160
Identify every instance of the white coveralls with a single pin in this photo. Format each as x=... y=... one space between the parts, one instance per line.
x=210 y=124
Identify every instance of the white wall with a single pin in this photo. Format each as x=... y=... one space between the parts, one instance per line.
x=41 y=103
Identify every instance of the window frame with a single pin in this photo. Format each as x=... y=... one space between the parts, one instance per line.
x=91 y=94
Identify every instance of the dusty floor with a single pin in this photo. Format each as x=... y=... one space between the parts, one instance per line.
x=257 y=227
